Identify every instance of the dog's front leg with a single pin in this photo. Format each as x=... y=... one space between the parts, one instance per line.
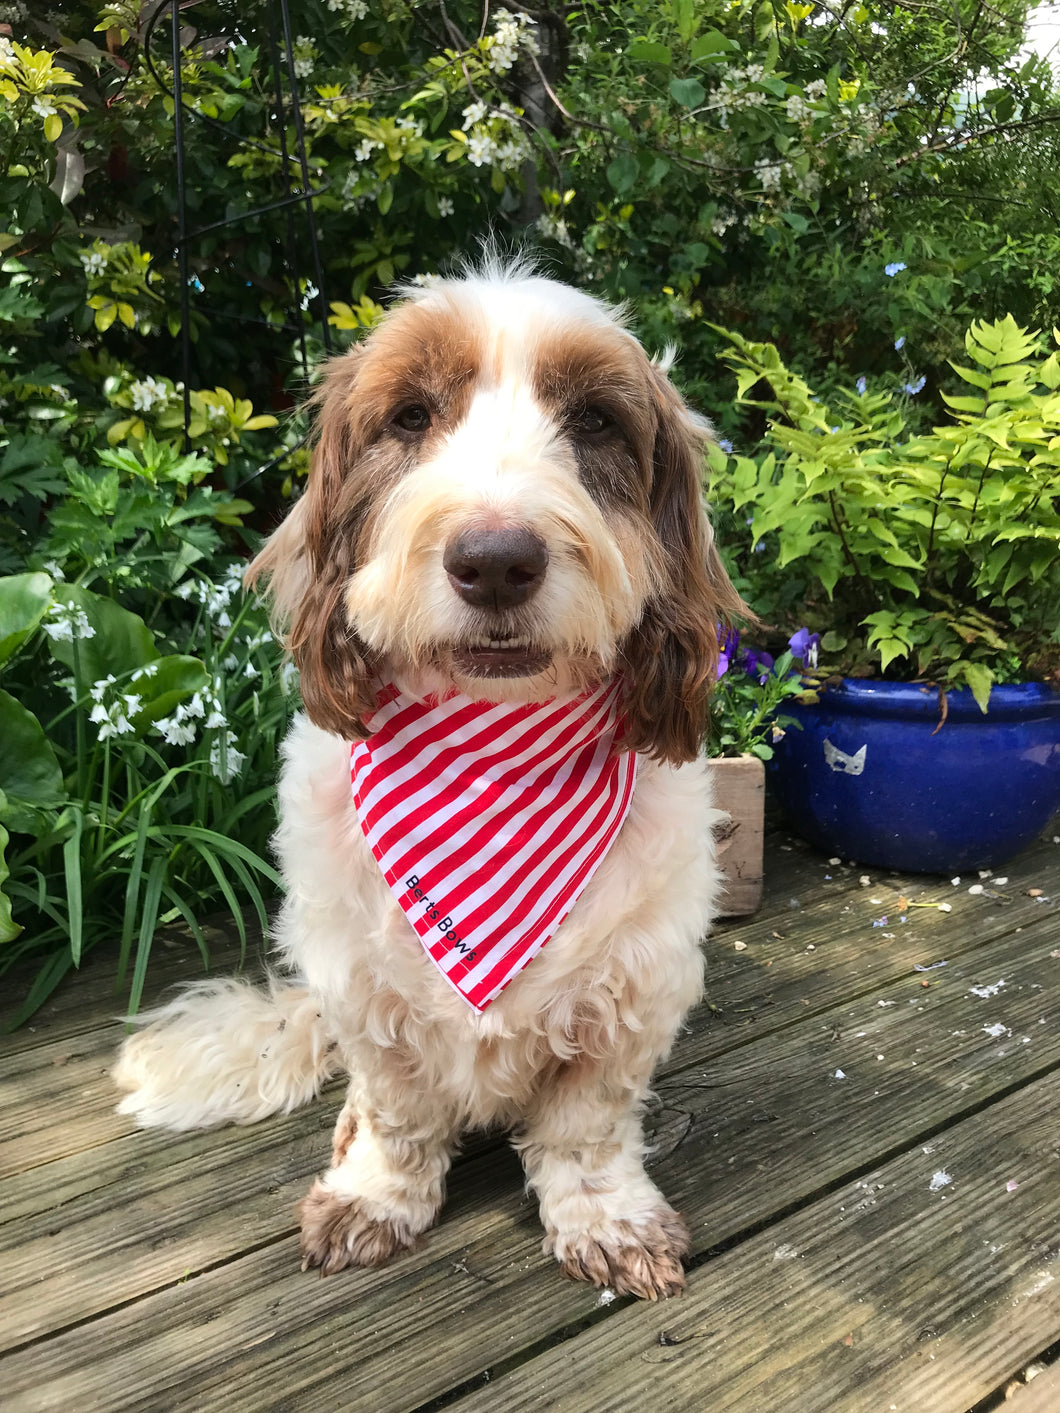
x=391 y=1151
x=605 y=1220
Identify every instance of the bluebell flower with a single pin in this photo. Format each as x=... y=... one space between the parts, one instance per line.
x=861 y=384
x=913 y=388
x=725 y=445
x=893 y=268
x=899 y=343
x=804 y=645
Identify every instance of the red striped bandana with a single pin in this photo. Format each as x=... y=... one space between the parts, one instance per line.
x=489 y=820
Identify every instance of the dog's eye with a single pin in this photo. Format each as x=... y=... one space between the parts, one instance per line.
x=590 y=422
x=414 y=418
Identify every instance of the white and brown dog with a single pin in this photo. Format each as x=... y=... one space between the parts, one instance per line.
x=503 y=516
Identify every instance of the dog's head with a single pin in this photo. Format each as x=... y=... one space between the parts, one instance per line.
x=504 y=499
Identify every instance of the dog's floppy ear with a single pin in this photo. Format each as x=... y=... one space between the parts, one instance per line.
x=308 y=562
x=671 y=656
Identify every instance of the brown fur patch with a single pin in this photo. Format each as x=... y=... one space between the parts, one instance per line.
x=642 y=1260
x=337 y=1232
x=345 y=1133
x=430 y=357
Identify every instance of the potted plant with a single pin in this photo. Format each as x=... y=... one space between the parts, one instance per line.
x=750 y=692
x=929 y=566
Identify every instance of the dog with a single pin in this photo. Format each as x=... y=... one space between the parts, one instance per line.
x=502 y=539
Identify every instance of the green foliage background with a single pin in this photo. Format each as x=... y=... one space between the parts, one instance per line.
x=852 y=184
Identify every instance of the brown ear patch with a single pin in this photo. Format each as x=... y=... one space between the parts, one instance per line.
x=671 y=656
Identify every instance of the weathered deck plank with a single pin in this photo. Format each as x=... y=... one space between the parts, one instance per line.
x=883 y=1295
x=154 y=1271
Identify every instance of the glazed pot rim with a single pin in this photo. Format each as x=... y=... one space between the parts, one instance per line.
x=879 y=697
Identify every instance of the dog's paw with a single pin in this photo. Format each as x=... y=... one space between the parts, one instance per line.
x=341 y=1231
x=633 y=1258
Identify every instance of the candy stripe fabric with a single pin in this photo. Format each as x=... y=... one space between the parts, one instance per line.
x=488 y=820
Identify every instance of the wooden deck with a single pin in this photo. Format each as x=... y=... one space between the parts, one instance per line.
x=868 y=1156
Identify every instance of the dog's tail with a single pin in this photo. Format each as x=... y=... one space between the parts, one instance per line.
x=225 y=1052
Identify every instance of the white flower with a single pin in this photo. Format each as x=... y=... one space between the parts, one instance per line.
x=112 y=720
x=289 y=676
x=70 y=622
x=94 y=262
x=473 y=113
x=817 y=88
x=425 y=281
x=769 y=173
x=98 y=690
x=798 y=110
x=54 y=568
x=225 y=760
x=43 y=108
x=151 y=670
x=305 y=54
x=147 y=393
x=365 y=150
x=479 y=148
x=554 y=228
x=194 y=707
x=177 y=733
x=445 y=206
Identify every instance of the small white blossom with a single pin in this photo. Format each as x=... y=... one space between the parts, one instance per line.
x=479 y=149
x=816 y=88
x=98 y=690
x=225 y=760
x=177 y=733
x=365 y=150
x=70 y=622
x=148 y=393
x=55 y=569
x=554 y=227
x=305 y=54
x=43 y=108
x=150 y=670
x=472 y=114
x=445 y=206
x=94 y=262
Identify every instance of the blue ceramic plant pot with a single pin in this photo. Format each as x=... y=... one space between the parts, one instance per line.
x=869 y=777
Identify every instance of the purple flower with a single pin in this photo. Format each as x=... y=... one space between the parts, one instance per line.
x=804 y=645
x=757 y=664
x=861 y=384
x=913 y=388
x=725 y=445
x=728 y=642
x=894 y=267
x=899 y=343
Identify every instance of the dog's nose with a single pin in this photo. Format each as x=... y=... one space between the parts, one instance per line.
x=496 y=568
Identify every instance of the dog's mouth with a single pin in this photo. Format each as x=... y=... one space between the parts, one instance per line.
x=501 y=657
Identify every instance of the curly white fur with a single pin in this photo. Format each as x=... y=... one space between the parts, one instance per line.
x=565 y=1055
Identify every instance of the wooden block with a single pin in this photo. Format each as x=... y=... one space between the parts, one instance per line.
x=740 y=790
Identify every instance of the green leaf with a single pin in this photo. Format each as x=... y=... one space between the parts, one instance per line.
x=689 y=92
x=979 y=678
x=120 y=641
x=163 y=685
x=24 y=599
x=30 y=776
x=9 y=928
x=72 y=875
x=622 y=173
x=684 y=12
x=649 y=52
x=710 y=44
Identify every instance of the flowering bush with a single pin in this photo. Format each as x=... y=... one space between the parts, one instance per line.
x=746 y=708
x=931 y=557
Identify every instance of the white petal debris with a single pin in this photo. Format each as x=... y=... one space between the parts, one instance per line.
x=996 y=1030
x=785 y=1253
x=605 y=1297
x=986 y=991
x=839 y=1075
x=939 y=1181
